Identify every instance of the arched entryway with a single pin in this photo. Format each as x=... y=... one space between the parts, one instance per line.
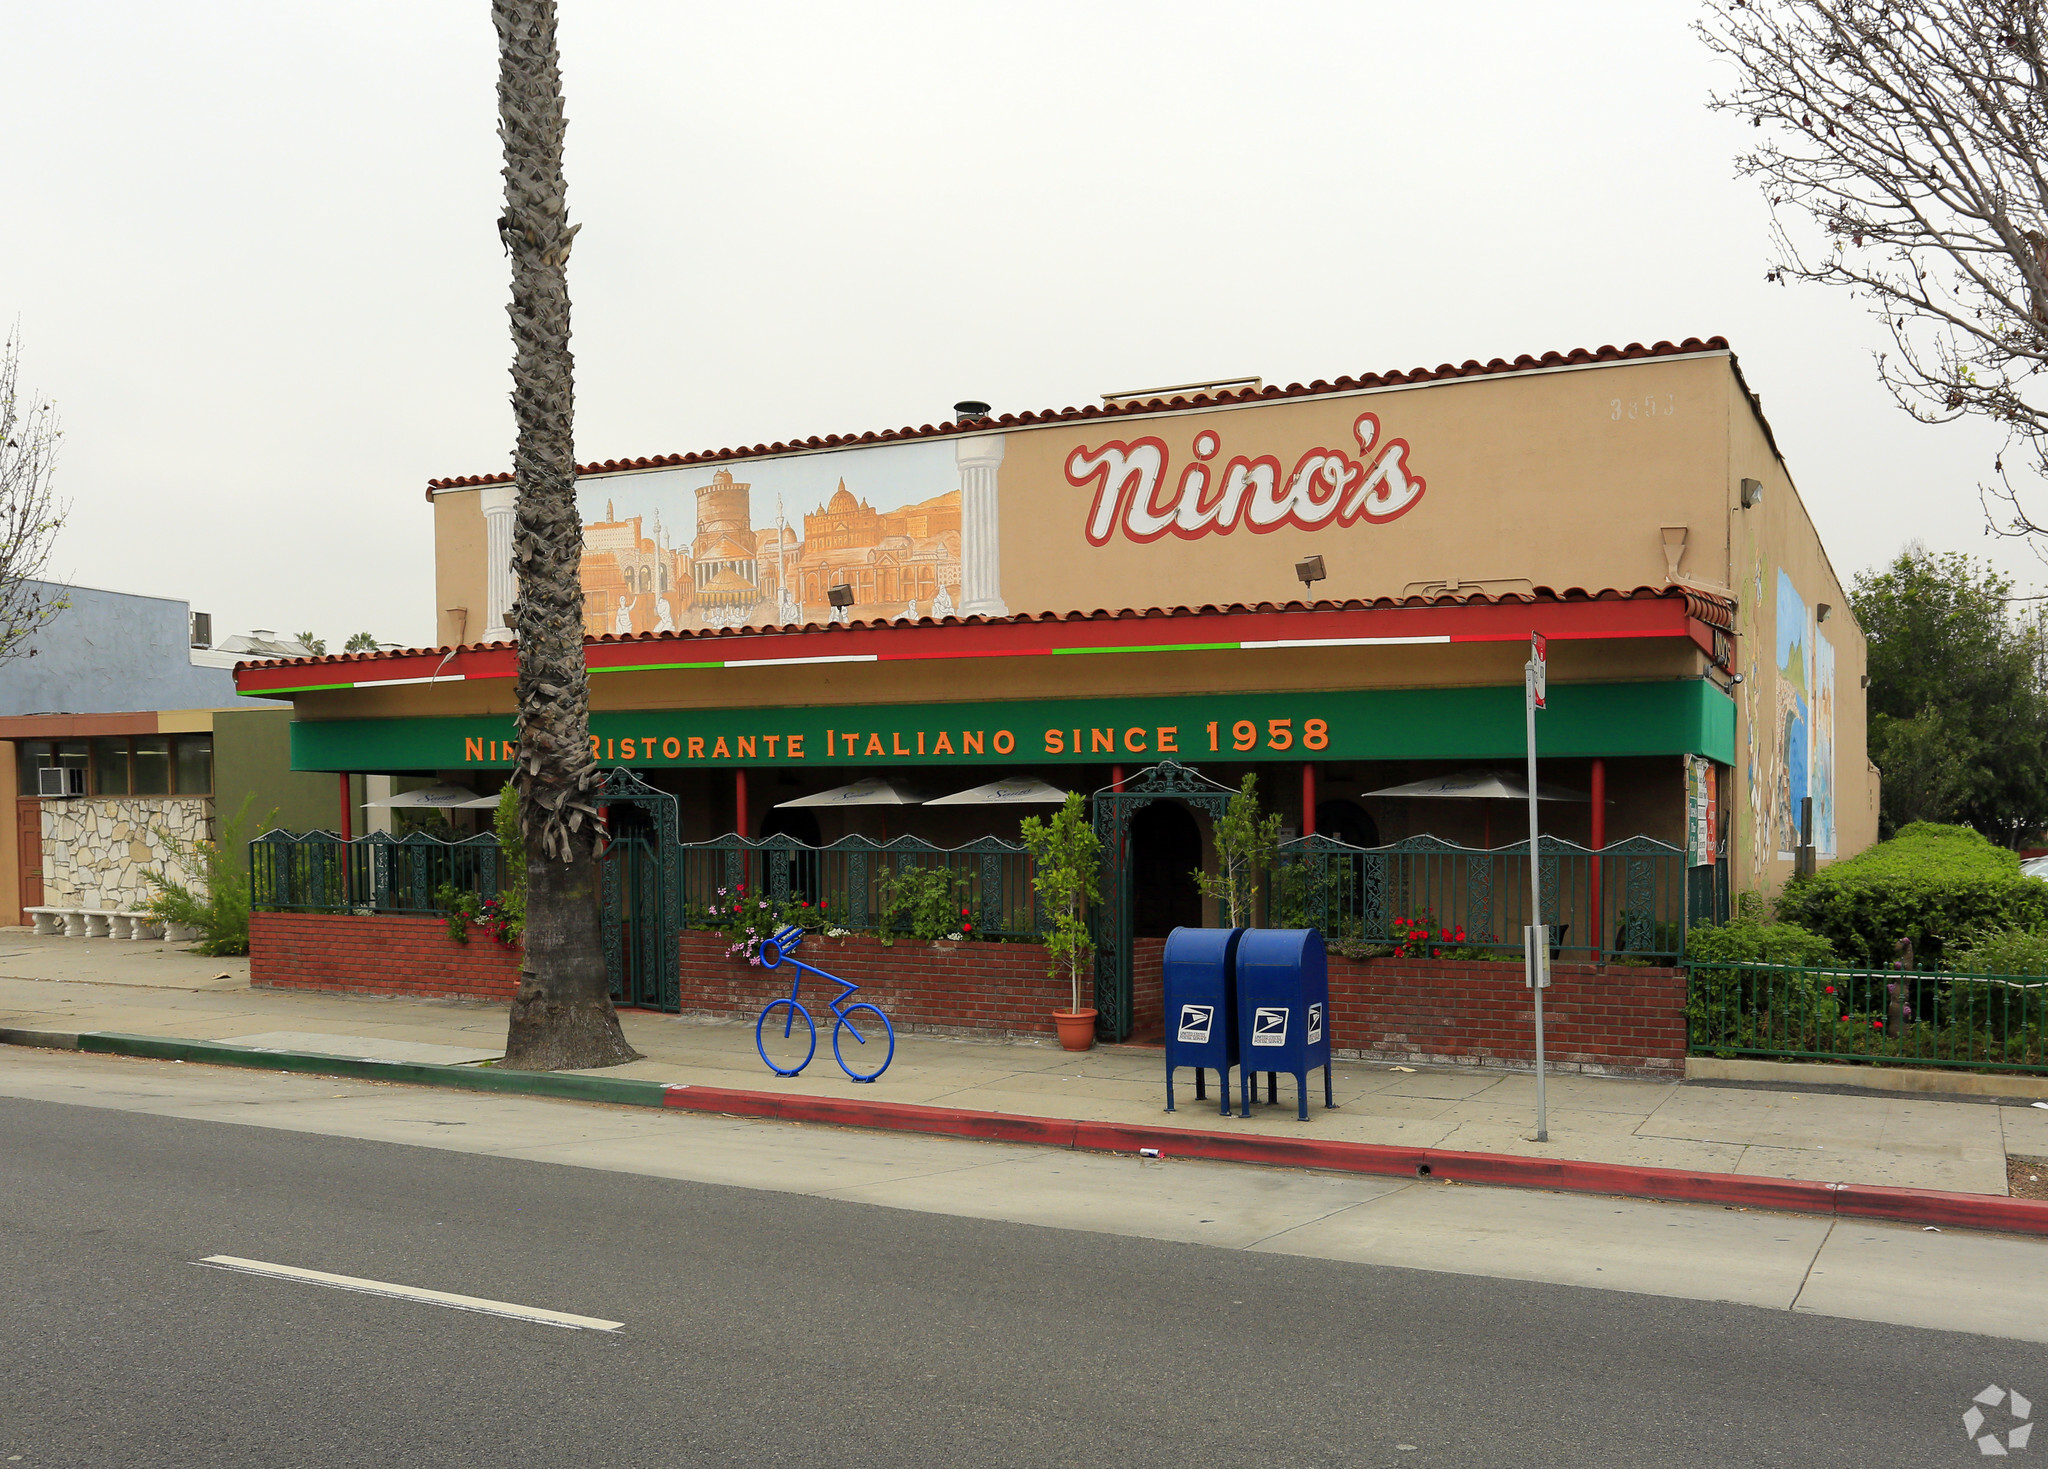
x=1347 y=822
x=1166 y=850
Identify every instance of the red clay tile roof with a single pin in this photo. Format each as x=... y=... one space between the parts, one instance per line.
x=1472 y=367
x=1708 y=607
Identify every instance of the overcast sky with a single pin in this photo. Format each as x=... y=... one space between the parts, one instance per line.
x=251 y=247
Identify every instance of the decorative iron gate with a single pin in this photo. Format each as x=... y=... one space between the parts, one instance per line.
x=1166 y=781
x=640 y=887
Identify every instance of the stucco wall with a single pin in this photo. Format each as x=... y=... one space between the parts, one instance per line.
x=96 y=849
x=252 y=761
x=112 y=653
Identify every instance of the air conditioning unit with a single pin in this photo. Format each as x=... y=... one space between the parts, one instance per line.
x=60 y=780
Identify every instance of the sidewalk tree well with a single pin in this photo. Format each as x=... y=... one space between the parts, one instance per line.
x=1247 y=844
x=1068 y=855
x=562 y=1017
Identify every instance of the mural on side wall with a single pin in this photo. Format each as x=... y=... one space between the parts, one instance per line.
x=909 y=527
x=1792 y=723
x=1822 y=777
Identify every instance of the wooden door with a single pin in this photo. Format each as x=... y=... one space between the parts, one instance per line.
x=28 y=835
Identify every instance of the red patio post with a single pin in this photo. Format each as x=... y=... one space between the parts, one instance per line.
x=1308 y=798
x=1116 y=777
x=347 y=814
x=1599 y=840
x=739 y=801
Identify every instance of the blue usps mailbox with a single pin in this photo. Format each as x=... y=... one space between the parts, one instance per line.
x=1283 y=1009
x=1201 y=1006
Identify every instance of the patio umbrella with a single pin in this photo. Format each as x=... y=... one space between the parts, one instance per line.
x=1022 y=791
x=1480 y=785
x=872 y=790
x=440 y=797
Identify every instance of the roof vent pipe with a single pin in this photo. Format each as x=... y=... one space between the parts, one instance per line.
x=970 y=411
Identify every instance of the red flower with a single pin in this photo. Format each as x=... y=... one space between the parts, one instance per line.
x=967 y=928
x=1831 y=989
x=1877 y=1025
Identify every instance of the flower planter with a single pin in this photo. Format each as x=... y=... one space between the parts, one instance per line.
x=1076 y=1027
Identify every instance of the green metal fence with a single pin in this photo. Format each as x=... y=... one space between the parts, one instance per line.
x=849 y=879
x=1629 y=900
x=1984 y=1022
x=319 y=872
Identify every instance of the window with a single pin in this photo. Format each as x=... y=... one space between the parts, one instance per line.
x=31 y=756
x=152 y=764
x=123 y=765
x=110 y=765
x=195 y=765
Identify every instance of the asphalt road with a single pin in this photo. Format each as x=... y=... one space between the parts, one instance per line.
x=775 y=1328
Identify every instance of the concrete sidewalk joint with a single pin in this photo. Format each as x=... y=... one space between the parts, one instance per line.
x=1840 y=1200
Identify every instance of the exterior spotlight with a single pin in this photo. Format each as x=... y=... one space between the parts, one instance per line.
x=1821 y=611
x=839 y=596
x=1752 y=491
x=1310 y=570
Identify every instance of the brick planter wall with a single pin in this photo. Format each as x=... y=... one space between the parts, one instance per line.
x=351 y=954
x=966 y=988
x=1596 y=1019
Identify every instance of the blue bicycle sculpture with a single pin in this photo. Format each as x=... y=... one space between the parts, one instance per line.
x=776 y=952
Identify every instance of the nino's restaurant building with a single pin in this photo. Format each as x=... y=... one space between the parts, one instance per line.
x=1111 y=599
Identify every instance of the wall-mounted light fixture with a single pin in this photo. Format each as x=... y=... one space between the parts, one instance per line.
x=1310 y=570
x=1821 y=611
x=1866 y=681
x=1752 y=491
x=839 y=596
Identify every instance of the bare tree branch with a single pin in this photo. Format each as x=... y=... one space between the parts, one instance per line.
x=1902 y=158
x=30 y=511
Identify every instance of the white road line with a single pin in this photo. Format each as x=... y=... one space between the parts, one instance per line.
x=410 y=1293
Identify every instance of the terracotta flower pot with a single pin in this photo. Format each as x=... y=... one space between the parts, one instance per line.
x=1077 y=1028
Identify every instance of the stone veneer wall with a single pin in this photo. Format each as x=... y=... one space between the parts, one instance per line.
x=96 y=848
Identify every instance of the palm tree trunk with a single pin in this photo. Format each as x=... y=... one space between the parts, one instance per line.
x=562 y=1018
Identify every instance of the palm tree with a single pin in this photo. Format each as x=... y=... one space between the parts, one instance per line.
x=562 y=1017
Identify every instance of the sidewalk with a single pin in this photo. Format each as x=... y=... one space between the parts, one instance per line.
x=1907 y=1141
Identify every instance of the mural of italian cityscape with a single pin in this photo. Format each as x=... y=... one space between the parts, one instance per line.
x=762 y=543
x=1791 y=752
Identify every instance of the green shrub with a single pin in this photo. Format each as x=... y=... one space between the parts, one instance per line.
x=1734 y=1005
x=1999 y=951
x=1932 y=884
x=929 y=901
x=219 y=906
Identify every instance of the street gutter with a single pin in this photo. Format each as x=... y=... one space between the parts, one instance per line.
x=1943 y=1209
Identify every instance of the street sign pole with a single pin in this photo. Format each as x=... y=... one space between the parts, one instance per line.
x=1537 y=932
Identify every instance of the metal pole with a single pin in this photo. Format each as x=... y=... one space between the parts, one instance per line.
x=1538 y=936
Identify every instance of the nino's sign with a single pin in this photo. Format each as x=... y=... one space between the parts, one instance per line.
x=1139 y=495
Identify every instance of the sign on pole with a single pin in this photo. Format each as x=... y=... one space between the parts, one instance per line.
x=1539 y=660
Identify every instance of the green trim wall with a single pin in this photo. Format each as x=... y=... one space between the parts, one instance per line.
x=1677 y=717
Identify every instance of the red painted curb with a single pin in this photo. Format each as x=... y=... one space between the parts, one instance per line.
x=1505 y=1170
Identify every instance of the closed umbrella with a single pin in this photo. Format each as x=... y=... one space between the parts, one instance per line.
x=1022 y=791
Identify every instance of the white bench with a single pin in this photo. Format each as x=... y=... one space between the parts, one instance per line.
x=100 y=923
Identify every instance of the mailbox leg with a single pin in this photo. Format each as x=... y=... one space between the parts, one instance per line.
x=1223 y=1088
x=1272 y=1087
x=1169 y=1085
x=1201 y=1080
x=1329 y=1095
x=1247 y=1080
x=1301 y=1096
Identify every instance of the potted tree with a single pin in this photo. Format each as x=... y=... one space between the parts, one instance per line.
x=1069 y=860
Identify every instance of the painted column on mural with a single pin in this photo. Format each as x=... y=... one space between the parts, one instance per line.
x=500 y=502
x=980 y=553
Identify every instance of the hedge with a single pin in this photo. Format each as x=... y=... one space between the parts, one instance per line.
x=1932 y=884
